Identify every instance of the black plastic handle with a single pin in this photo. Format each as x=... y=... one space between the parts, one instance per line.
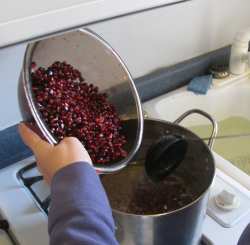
x=164 y=156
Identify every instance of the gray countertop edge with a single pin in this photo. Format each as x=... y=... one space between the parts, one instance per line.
x=149 y=86
x=167 y=79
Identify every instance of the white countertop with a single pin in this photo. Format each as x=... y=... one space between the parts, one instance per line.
x=27 y=19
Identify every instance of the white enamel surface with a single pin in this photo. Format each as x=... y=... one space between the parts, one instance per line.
x=26 y=220
x=224 y=215
x=215 y=233
x=22 y=20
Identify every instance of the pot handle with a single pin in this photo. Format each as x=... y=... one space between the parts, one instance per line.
x=209 y=117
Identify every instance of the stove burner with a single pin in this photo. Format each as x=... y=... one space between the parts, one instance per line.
x=30 y=181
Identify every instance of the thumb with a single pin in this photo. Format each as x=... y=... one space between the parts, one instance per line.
x=30 y=138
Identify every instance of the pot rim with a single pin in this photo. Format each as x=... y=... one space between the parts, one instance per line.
x=189 y=204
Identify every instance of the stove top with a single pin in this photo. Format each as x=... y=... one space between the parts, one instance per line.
x=19 y=207
x=25 y=198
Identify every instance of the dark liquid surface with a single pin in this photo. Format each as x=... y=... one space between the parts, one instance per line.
x=131 y=191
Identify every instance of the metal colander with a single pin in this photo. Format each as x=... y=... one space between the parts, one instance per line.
x=101 y=66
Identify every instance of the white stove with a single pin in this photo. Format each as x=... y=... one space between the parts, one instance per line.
x=225 y=226
x=24 y=203
x=28 y=222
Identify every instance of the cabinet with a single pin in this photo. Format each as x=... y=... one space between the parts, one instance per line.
x=27 y=20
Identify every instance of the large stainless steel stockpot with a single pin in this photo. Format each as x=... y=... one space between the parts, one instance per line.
x=130 y=190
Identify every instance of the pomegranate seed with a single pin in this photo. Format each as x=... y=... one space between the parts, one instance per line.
x=71 y=107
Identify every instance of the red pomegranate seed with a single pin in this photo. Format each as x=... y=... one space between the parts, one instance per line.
x=71 y=107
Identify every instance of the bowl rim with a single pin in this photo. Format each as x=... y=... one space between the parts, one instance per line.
x=109 y=168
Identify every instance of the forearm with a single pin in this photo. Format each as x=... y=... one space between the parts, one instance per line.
x=79 y=212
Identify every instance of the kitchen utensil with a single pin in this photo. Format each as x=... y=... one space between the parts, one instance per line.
x=100 y=65
x=164 y=156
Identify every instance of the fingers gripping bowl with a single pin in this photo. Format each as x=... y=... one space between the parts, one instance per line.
x=100 y=65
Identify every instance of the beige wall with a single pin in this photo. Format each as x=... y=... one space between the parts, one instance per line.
x=172 y=34
x=146 y=41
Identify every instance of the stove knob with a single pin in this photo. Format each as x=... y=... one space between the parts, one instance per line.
x=227 y=200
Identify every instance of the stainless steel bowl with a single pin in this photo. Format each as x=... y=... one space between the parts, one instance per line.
x=100 y=65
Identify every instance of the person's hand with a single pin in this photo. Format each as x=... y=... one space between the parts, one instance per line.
x=51 y=158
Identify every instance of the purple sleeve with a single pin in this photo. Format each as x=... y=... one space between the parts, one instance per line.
x=245 y=236
x=79 y=211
